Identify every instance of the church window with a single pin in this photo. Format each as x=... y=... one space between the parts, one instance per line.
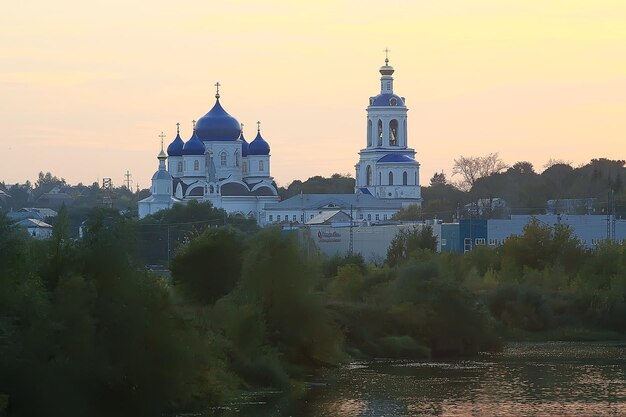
x=385 y=217
x=223 y=159
x=380 y=133
x=294 y=217
x=311 y=216
x=393 y=133
x=261 y=166
x=196 y=165
x=302 y=218
x=369 y=133
x=368 y=175
x=405 y=178
x=416 y=178
x=278 y=218
x=361 y=216
x=211 y=189
x=404 y=133
x=237 y=158
x=377 y=216
x=380 y=178
x=393 y=101
x=369 y=217
x=271 y=217
x=390 y=178
x=180 y=166
x=245 y=167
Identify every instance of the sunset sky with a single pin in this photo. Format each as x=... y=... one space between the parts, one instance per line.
x=86 y=87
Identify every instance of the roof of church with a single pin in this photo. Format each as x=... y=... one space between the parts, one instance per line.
x=259 y=146
x=386 y=100
x=176 y=147
x=218 y=125
x=395 y=158
x=194 y=146
x=334 y=201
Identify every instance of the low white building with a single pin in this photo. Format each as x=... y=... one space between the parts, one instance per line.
x=36 y=228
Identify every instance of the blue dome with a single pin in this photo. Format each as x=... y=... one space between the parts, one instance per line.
x=176 y=147
x=218 y=125
x=194 y=146
x=259 y=146
x=386 y=100
x=395 y=158
x=245 y=147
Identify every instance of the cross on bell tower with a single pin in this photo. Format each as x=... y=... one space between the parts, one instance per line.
x=217 y=90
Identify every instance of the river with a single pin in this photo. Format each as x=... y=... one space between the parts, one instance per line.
x=527 y=379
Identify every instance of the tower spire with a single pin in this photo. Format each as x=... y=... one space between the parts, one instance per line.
x=386 y=51
x=162 y=156
x=258 y=127
x=177 y=128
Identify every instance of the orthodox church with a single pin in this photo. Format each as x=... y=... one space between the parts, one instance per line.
x=218 y=165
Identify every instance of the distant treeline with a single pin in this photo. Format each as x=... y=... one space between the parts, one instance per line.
x=86 y=330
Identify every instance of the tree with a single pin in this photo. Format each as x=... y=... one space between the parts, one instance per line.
x=439 y=178
x=474 y=167
x=410 y=212
x=408 y=241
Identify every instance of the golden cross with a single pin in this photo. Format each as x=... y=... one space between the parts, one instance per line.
x=193 y=122
x=258 y=126
x=217 y=92
x=162 y=136
x=177 y=128
x=386 y=51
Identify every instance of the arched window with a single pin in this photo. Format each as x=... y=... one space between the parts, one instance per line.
x=368 y=175
x=369 y=133
x=211 y=189
x=180 y=166
x=393 y=133
x=380 y=179
x=236 y=158
x=404 y=134
x=390 y=178
x=405 y=178
x=261 y=166
x=223 y=159
x=380 y=133
x=196 y=165
x=245 y=167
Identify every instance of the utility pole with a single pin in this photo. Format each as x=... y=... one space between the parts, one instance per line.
x=351 y=245
x=127 y=180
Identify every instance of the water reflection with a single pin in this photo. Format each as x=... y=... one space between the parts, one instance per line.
x=557 y=379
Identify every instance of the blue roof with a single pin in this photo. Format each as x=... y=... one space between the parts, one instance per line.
x=386 y=100
x=176 y=147
x=395 y=158
x=194 y=146
x=218 y=125
x=365 y=190
x=245 y=146
x=259 y=146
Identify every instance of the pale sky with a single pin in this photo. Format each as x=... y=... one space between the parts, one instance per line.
x=86 y=87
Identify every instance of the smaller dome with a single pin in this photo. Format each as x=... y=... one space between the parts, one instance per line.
x=259 y=146
x=245 y=146
x=386 y=69
x=176 y=147
x=387 y=100
x=396 y=159
x=161 y=175
x=194 y=146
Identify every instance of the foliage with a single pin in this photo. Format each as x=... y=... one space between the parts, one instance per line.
x=209 y=267
x=336 y=184
x=473 y=168
x=408 y=242
x=410 y=212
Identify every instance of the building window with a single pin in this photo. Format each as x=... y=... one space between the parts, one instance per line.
x=369 y=217
x=393 y=133
x=480 y=241
x=211 y=189
x=369 y=133
x=261 y=166
x=444 y=242
x=294 y=218
x=368 y=175
x=236 y=158
x=361 y=216
x=385 y=217
x=378 y=217
x=245 y=167
x=405 y=178
x=278 y=217
x=467 y=244
x=380 y=133
x=271 y=217
x=302 y=218
x=180 y=167
x=196 y=165
x=223 y=159
x=390 y=178
x=311 y=216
